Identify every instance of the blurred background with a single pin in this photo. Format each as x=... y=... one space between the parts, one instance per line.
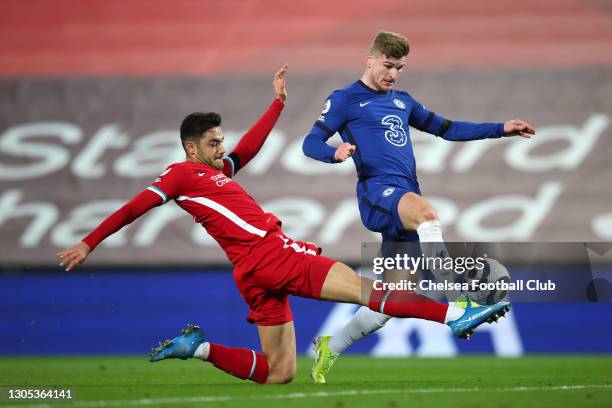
x=92 y=94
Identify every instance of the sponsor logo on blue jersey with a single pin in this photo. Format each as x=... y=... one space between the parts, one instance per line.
x=396 y=135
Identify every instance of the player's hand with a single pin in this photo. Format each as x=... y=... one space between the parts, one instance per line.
x=344 y=151
x=517 y=127
x=73 y=256
x=278 y=84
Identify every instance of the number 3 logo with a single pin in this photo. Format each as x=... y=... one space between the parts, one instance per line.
x=396 y=134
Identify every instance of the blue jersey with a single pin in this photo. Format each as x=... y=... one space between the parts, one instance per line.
x=377 y=123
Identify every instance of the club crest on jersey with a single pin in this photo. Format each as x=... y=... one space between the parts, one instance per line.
x=388 y=191
x=400 y=104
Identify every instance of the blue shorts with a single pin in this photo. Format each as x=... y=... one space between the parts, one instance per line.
x=378 y=206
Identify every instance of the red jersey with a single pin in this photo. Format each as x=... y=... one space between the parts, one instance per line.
x=214 y=200
x=218 y=203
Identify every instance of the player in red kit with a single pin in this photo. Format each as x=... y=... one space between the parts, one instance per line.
x=268 y=265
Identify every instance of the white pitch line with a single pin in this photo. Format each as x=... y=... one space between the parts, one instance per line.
x=299 y=395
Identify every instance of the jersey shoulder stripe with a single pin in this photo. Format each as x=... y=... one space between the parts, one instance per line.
x=159 y=192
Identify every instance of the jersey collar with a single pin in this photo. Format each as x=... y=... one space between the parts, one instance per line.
x=197 y=164
x=360 y=82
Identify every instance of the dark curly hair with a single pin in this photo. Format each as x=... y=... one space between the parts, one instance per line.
x=196 y=124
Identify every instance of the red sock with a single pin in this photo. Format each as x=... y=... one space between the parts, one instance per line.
x=405 y=303
x=242 y=363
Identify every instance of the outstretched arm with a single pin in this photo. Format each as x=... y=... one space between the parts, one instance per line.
x=252 y=141
x=459 y=131
x=464 y=131
x=167 y=186
x=77 y=254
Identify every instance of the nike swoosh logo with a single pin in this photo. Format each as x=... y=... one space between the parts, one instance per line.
x=362 y=104
x=201 y=174
x=476 y=316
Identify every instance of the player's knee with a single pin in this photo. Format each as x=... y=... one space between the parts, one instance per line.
x=415 y=210
x=428 y=214
x=419 y=216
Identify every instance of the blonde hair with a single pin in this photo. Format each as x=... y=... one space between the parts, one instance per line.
x=390 y=44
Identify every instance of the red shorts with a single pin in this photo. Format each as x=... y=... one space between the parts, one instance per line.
x=277 y=267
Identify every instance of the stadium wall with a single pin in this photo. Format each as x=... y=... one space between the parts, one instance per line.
x=73 y=150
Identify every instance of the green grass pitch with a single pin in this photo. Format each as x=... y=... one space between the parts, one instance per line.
x=479 y=381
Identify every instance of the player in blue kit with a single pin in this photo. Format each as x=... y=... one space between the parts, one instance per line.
x=373 y=121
